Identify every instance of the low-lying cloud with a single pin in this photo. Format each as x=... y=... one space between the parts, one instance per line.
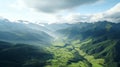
x=112 y=15
x=56 y=5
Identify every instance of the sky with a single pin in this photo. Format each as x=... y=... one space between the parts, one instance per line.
x=60 y=11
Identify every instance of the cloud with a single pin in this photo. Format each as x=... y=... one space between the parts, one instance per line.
x=112 y=15
x=74 y=18
x=18 y=4
x=56 y=5
x=49 y=6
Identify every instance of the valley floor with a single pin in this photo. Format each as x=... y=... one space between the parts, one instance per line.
x=69 y=54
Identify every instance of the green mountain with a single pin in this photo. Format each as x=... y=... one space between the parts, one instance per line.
x=22 y=55
x=59 y=45
x=100 y=40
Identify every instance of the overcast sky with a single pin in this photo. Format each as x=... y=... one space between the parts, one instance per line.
x=60 y=11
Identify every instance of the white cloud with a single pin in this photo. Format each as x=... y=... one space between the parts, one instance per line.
x=73 y=18
x=56 y=5
x=112 y=15
x=18 y=4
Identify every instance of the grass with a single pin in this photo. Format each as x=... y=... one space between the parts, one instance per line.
x=63 y=54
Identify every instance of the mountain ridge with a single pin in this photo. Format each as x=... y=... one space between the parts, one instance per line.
x=79 y=44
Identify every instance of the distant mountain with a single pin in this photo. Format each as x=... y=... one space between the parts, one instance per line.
x=92 y=30
x=23 y=33
x=57 y=26
x=100 y=39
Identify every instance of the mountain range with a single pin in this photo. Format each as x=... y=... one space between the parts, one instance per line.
x=101 y=39
x=80 y=44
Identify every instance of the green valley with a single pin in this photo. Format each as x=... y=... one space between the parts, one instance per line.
x=67 y=45
x=71 y=55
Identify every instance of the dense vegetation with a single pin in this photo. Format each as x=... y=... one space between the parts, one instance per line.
x=74 y=45
x=102 y=40
x=22 y=55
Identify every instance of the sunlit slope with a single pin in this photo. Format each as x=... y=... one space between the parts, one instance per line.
x=101 y=40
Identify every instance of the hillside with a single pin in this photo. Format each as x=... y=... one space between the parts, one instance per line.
x=22 y=55
x=23 y=33
x=100 y=40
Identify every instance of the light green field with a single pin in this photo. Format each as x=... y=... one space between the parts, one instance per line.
x=62 y=55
